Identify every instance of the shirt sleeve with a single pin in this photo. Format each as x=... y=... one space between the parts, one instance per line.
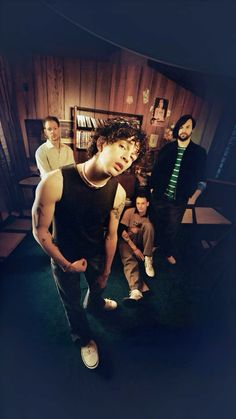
x=71 y=159
x=42 y=162
x=126 y=217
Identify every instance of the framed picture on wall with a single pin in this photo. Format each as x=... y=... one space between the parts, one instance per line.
x=159 y=110
x=66 y=131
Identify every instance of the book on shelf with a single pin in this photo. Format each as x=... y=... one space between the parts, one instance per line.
x=88 y=122
x=84 y=121
x=82 y=139
x=100 y=122
x=81 y=121
x=94 y=122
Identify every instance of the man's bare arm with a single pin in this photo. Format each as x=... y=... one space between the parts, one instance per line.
x=111 y=236
x=48 y=192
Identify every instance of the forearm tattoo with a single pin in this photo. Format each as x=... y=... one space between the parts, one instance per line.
x=37 y=215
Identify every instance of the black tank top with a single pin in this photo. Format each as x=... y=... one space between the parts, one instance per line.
x=82 y=215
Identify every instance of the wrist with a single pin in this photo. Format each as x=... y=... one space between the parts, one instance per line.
x=106 y=271
x=66 y=266
x=131 y=245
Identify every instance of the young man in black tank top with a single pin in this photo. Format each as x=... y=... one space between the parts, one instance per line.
x=83 y=200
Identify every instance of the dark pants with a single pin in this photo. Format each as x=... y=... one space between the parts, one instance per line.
x=68 y=285
x=166 y=217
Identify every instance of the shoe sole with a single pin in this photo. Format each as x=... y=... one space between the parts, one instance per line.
x=109 y=308
x=90 y=367
x=150 y=276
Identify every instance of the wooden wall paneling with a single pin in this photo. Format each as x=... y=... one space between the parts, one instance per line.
x=143 y=99
x=118 y=81
x=103 y=85
x=201 y=123
x=132 y=86
x=181 y=101
x=41 y=88
x=211 y=126
x=55 y=83
x=25 y=93
x=198 y=103
x=71 y=85
x=29 y=95
x=169 y=95
x=188 y=105
x=20 y=100
x=178 y=102
x=88 y=83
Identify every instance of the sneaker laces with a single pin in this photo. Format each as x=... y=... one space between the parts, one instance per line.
x=90 y=349
x=108 y=300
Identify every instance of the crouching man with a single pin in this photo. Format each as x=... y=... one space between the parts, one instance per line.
x=136 y=246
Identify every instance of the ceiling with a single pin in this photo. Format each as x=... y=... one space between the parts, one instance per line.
x=192 y=42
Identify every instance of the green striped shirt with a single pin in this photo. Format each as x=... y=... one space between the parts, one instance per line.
x=170 y=190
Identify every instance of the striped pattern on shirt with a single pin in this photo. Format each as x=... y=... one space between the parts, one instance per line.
x=170 y=190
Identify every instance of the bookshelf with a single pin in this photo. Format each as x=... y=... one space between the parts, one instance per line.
x=86 y=120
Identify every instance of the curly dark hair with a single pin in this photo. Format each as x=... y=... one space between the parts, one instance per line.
x=115 y=129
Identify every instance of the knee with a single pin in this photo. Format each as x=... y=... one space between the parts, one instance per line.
x=147 y=228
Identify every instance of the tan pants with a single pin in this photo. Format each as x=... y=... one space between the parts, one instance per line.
x=144 y=240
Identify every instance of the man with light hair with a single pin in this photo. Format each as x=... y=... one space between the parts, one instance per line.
x=52 y=154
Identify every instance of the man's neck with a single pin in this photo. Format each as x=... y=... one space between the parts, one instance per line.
x=184 y=144
x=90 y=175
x=56 y=144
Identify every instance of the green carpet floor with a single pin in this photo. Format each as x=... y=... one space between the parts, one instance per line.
x=171 y=357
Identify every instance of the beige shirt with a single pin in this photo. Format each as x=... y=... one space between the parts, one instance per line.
x=49 y=158
x=133 y=220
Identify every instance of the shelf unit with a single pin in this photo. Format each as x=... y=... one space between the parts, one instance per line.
x=86 y=120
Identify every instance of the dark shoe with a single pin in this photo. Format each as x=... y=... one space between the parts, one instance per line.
x=134 y=297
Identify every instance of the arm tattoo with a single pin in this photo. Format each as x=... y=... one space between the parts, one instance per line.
x=37 y=215
x=125 y=236
x=117 y=211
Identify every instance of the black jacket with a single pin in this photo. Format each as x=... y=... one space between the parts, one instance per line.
x=192 y=170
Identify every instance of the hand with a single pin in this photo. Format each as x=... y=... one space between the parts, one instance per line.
x=102 y=279
x=138 y=254
x=78 y=266
x=134 y=229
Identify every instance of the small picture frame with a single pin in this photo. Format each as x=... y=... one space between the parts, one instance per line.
x=66 y=130
x=153 y=140
x=159 y=110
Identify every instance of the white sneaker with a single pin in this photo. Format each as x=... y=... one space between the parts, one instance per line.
x=89 y=355
x=148 y=266
x=135 y=295
x=109 y=304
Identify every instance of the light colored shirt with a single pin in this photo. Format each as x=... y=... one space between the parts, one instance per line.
x=131 y=218
x=48 y=157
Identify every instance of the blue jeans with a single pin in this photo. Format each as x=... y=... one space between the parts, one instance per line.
x=68 y=286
